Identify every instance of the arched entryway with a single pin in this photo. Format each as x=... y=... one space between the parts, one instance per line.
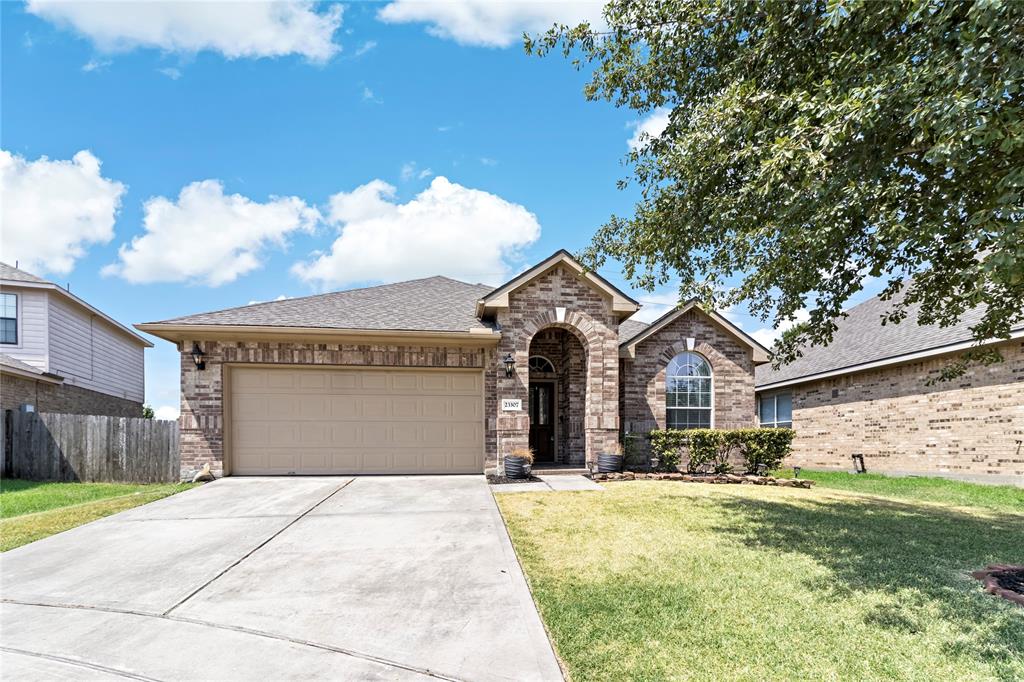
x=557 y=397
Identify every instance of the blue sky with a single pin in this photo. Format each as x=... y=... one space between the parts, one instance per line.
x=241 y=145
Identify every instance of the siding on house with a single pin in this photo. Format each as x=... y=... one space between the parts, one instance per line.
x=91 y=353
x=33 y=331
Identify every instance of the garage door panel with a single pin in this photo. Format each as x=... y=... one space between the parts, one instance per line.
x=461 y=407
x=405 y=383
x=282 y=434
x=344 y=381
x=466 y=383
x=344 y=421
x=374 y=407
x=284 y=379
x=374 y=381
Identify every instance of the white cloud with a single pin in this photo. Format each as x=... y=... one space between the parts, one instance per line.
x=169 y=412
x=650 y=126
x=364 y=48
x=488 y=161
x=52 y=210
x=767 y=336
x=95 y=65
x=446 y=229
x=282 y=297
x=489 y=23
x=410 y=171
x=171 y=72
x=656 y=304
x=235 y=29
x=208 y=237
x=369 y=96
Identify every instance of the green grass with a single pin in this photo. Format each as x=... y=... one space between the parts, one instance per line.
x=31 y=510
x=959 y=493
x=657 y=580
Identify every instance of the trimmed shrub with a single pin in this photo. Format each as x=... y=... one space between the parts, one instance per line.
x=667 y=445
x=710 y=450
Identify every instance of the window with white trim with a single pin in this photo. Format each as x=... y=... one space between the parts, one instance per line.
x=775 y=410
x=9 y=318
x=688 y=392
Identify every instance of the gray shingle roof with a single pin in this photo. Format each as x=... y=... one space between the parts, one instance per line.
x=15 y=274
x=14 y=363
x=630 y=328
x=432 y=304
x=861 y=338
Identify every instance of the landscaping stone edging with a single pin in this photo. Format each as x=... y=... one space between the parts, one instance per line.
x=989 y=578
x=706 y=478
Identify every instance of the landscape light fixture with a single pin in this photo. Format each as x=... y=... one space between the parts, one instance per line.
x=858 y=464
x=510 y=364
x=197 y=356
x=796 y=472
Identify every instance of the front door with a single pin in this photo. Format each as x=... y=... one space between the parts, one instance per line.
x=542 y=423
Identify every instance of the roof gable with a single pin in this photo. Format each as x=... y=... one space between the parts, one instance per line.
x=760 y=353
x=498 y=298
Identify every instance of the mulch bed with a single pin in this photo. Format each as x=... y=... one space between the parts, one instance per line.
x=1003 y=580
x=503 y=480
x=748 y=479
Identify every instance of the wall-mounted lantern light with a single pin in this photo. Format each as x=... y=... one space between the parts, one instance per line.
x=197 y=356
x=510 y=364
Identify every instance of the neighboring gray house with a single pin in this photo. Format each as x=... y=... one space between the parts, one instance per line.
x=868 y=394
x=60 y=354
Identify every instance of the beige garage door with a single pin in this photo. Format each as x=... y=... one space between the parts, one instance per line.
x=346 y=421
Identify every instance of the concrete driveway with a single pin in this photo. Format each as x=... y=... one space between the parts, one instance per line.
x=404 y=577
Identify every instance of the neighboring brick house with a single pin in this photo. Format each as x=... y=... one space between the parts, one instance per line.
x=868 y=393
x=440 y=376
x=60 y=354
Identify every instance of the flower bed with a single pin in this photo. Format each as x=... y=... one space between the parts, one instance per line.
x=1003 y=581
x=748 y=479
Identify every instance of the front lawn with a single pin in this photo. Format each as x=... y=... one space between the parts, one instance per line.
x=31 y=510
x=655 y=580
x=928 y=489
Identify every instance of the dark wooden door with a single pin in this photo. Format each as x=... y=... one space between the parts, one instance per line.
x=542 y=421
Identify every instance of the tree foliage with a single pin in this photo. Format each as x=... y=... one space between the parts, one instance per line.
x=813 y=144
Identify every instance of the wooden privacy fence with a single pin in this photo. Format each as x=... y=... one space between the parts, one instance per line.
x=84 y=447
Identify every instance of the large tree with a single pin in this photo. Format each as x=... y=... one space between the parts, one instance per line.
x=810 y=145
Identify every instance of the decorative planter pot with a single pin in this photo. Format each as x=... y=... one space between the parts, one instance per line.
x=517 y=467
x=609 y=464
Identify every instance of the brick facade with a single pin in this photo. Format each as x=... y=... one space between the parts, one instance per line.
x=202 y=391
x=643 y=377
x=970 y=427
x=556 y=299
x=556 y=314
x=16 y=391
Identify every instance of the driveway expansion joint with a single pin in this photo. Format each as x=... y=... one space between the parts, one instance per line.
x=219 y=626
x=259 y=546
x=79 y=664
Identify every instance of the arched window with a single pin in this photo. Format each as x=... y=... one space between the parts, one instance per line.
x=539 y=363
x=688 y=392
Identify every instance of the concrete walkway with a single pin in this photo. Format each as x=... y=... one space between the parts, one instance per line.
x=387 y=578
x=546 y=484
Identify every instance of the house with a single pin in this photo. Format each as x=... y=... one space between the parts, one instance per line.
x=440 y=376
x=60 y=354
x=871 y=393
